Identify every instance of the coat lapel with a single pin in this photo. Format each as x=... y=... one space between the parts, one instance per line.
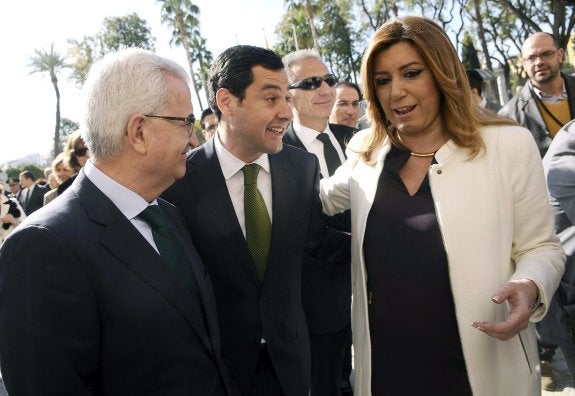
x=207 y=181
x=124 y=242
x=283 y=186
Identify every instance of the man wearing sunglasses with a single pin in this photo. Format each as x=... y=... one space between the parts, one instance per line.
x=547 y=100
x=103 y=292
x=326 y=282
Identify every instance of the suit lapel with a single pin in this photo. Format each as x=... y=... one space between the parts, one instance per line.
x=343 y=134
x=207 y=181
x=283 y=186
x=292 y=139
x=124 y=242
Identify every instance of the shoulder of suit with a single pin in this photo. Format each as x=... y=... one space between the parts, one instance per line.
x=342 y=128
x=288 y=150
x=508 y=139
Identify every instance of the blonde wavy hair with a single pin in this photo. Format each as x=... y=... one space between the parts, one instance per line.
x=460 y=117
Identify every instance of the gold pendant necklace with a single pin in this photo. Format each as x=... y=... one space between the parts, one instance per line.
x=422 y=154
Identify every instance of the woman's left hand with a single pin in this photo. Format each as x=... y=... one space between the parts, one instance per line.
x=521 y=295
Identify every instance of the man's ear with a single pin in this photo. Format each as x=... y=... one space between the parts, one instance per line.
x=225 y=101
x=136 y=134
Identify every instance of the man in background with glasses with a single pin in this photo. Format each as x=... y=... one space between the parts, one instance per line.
x=102 y=290
x=544 y=105
x=547 y=100
x=209 y=123
x=347 y=108
x=326 y=278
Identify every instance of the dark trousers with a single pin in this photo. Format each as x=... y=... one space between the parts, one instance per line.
x=545 y=347
x=327 y=361
x=266 y=382
x=554 y=328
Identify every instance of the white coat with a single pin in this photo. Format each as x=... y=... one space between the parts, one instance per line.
x=496 y=224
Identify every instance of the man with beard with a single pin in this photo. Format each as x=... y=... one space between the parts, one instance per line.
x=546 y=101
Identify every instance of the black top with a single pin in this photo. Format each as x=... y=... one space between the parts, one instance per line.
x=415 y=342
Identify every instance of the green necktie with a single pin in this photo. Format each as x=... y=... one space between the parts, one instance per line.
x=169 y=245
x=329 y=153
x=258 y=224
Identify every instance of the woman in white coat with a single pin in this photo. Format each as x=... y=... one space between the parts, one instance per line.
x=453 y=249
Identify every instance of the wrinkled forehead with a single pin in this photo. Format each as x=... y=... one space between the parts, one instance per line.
x=537 y=44
x=309 y=67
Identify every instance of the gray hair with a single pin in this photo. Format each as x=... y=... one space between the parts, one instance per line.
x=299 y=56
x=118 y=86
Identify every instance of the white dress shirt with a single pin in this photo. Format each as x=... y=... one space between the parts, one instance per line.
x=130 y=203
x=234 y=176
x=308 y=137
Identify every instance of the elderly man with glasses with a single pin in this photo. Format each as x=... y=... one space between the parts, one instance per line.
x=326 y=280
x=102 y=290
x=547 y=100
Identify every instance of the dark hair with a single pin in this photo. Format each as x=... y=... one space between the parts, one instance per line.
x=475 y=80
x=232 y=70
x=28 y=175
x=350 y=85
x=205 y=113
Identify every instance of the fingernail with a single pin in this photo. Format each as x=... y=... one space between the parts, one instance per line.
x=495 y=299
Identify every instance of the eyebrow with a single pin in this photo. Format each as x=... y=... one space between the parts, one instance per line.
x=273 y=87
x=408 y=65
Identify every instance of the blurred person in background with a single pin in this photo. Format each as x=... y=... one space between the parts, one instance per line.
x=11 y=214
x=62 y=172
x=347 y=107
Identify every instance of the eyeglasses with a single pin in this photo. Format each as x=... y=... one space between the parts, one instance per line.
x=543 y=56
x=188 y=121
x=80 y=151
x=311 y=83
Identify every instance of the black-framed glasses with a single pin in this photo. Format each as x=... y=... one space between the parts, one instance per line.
x=311 y=83
x=188 y=121
x=80 y=151
x=543 y=56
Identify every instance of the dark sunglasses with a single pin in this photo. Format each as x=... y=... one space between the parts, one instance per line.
x=80 y=151
x=311 y=83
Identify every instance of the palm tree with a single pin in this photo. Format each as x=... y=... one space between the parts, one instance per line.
x=310 y=16
x=182 y=17
x=50 y=63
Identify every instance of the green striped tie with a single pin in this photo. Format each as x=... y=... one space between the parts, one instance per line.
x=169 y=246
x=258 y=224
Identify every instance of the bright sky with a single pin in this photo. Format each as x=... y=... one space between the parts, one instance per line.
x=28 y=102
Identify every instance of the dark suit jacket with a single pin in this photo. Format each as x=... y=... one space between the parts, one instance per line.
x=523 y=109
x=326 y=275
x=36 y=199
x=250 y=310
x=87 y=307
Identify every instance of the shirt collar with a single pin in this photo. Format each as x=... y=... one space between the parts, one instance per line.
x=130 y=203
x=230 y=164
x=307 y=135
x=543 y=95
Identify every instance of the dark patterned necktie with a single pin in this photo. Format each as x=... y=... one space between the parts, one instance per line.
x=171 y=249
x=257 y=220
x=329 y=152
